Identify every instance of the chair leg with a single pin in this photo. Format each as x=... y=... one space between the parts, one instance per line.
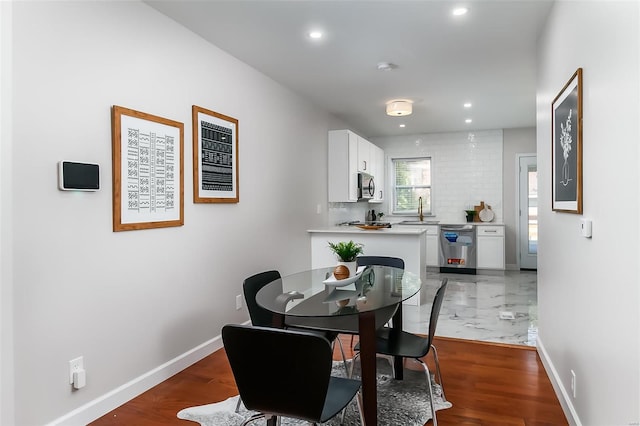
x=353 y=363
x=430 y=388
x=389 y=359
x=438 y=374
x=252 y=418
x=344 y=358
x=360 y=409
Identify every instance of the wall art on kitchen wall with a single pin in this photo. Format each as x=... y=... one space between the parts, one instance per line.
x=148 y=178
x=566 y=150
x=215 y=157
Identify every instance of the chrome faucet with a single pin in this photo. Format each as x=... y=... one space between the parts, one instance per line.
x=420 y=215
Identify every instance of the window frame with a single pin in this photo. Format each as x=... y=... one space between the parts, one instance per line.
x=394 y=187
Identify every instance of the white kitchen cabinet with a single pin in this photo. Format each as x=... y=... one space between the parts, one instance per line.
x=490 y=247
x=433 y=246
x=349 y=154
x=377 y=170
x=343 y=166
x=364 y=155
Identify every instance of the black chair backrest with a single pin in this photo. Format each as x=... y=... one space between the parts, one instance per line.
x=279 y=371
x=259 y=316
x=394 y=262
x=435 y=309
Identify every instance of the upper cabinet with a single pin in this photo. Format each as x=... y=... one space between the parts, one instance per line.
x=350 y=154
x=376 y=157
x=364 y=155
x=343 y=166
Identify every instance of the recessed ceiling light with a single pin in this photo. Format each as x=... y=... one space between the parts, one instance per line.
x=402 y=125
x=459 y=11
x=467 y=105
x=468 y=120
x=315 y=34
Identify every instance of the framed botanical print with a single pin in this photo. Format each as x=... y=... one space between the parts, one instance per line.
x=566 y=150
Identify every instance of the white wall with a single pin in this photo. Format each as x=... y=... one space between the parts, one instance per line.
x=588 y=292
x=6 y=269
x=131 y=301
x=516 y=141
x=467 y=169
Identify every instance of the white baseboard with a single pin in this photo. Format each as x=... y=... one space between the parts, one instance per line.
x=561 y=391
x=115 y=398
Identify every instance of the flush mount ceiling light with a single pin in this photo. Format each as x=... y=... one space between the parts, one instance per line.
x=399 y=107
x=467 y=105
x=315 y=34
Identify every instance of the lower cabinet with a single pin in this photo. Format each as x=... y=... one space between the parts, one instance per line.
x=433 y=246
x=490 y=247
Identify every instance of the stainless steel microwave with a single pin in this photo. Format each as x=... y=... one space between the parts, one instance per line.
x=366 y=186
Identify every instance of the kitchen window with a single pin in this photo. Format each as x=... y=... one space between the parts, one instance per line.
x=412 y=180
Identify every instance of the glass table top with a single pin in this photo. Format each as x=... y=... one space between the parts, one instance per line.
x=314 y=293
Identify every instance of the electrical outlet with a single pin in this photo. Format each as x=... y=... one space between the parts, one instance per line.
x=238 y=302
x=573 y=383
x=75 y=365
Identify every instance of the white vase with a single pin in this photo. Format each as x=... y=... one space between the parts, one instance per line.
x=353 y=267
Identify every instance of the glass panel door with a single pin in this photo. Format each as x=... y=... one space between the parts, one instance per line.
x=528 y=206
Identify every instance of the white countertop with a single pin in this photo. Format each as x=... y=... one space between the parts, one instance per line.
x=397 y=224
x=471 y=223
x=396 y=230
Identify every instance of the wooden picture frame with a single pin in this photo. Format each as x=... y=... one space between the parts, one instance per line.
x=215 y=157
x=148 y=176
x=566 y=148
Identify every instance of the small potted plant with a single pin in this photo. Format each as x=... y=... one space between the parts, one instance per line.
x=346 y=252
x=470 y=215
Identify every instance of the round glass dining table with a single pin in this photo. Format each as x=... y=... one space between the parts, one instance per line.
x=358 y=305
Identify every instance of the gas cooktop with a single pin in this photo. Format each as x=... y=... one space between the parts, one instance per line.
x=359 y=223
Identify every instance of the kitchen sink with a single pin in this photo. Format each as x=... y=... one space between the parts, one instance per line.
x=419 y=222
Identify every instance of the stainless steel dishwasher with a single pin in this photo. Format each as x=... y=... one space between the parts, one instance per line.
x=458 y=249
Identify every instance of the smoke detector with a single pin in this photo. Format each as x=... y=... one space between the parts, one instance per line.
x=386 y=66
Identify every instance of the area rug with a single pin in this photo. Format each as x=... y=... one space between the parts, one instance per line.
x=400 y=402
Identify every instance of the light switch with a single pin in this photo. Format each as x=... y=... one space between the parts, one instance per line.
x=585 y=227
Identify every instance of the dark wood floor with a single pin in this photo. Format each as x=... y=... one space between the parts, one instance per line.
x=488 y=384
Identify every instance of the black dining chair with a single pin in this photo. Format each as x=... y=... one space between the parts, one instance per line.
x=409 y=345
x=264 y=318
x=394 y=262
x=276 y=384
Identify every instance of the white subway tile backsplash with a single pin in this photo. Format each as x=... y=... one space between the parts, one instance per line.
x=465 y=172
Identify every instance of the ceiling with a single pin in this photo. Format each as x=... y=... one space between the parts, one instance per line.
x=486 y=57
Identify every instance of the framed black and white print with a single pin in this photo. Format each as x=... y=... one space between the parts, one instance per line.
x=148 y=178
x=566 y=150
x=215 y=157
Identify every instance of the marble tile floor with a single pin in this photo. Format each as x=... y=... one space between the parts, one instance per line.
x=493 y=308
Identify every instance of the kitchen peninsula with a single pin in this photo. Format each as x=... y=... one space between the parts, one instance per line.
x=407 y=243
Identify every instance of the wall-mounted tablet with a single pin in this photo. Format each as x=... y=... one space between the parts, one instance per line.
x=74 y=176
